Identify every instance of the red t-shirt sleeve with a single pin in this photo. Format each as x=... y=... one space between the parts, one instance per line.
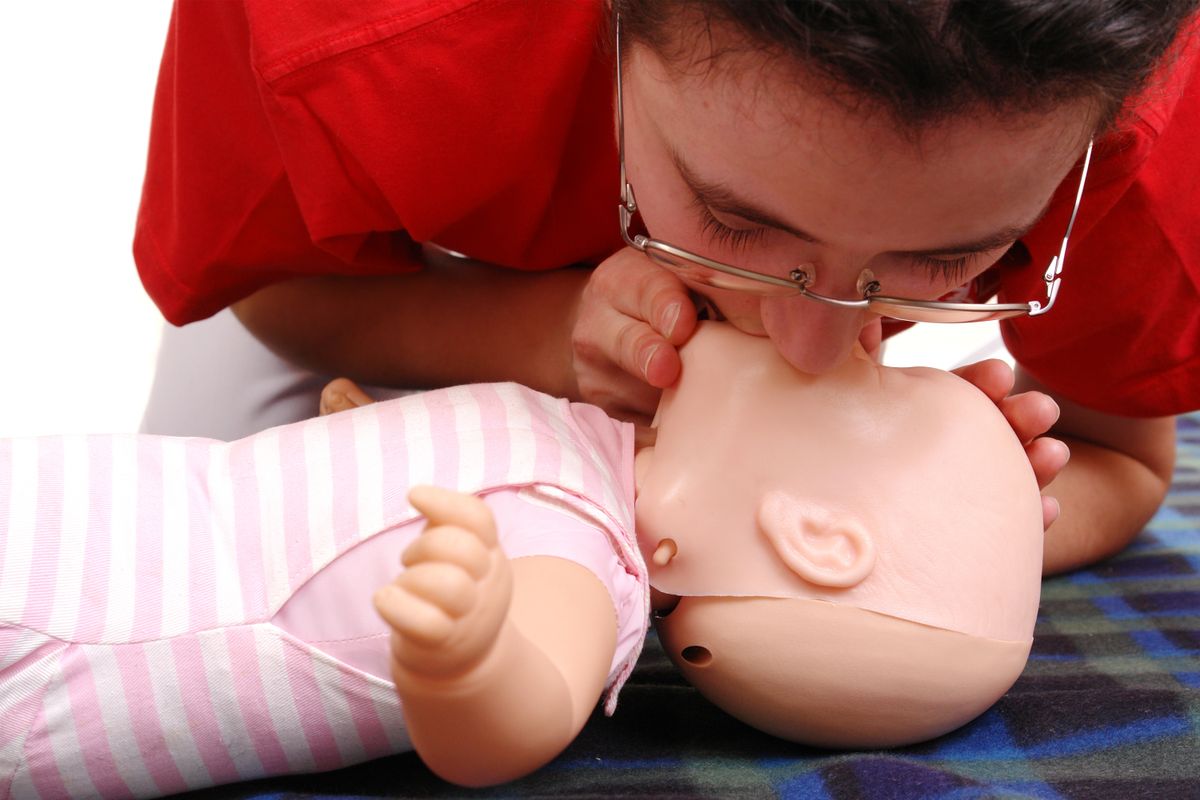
x=307 y=137
x=1124 y=335
x=219 y=218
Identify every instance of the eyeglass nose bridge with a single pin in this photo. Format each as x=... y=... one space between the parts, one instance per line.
x=804 y=277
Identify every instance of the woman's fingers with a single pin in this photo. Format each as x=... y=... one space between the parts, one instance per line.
x=632 y=317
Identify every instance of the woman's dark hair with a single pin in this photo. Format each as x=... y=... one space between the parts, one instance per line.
x=922 y=60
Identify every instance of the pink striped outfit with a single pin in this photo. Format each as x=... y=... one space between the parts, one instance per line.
x=179 y=613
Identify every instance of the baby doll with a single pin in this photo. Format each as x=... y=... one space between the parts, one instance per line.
x=179 y=612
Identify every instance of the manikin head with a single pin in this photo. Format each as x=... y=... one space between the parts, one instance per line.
x=856 y=556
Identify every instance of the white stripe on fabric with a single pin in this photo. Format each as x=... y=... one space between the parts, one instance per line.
x=168 y=701
x=285 y=718
x=368 y=456
x=22 y=786
x=318 y=464
x=17 y=643
x=219 y=678
x=418 y=442
x=468 y=421
x=114 y=712
x=19 y=539
x=122 y=536
x=72 y=538
x=223 y=534
x=570 y=465
x=271 y=520
x=337 y=711
x=522 y=444
x=176 y=537
x=58 y=720
x=16 y=692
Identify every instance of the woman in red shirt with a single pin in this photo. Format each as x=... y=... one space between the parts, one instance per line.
x=302 y=152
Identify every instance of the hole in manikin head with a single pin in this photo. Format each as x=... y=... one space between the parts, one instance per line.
x=696 y=655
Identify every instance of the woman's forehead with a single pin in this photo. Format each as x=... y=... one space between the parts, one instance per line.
x=802 y=152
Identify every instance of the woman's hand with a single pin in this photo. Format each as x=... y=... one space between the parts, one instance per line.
x=631 y=317
x=1031 y=414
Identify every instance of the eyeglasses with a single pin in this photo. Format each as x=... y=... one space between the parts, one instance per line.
x=719 y=275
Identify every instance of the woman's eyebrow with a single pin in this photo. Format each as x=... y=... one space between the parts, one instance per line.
x=721 y=198
x=1004 y=236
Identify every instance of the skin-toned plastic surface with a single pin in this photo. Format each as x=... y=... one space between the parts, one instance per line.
x=833 y=675
x=900 y=491
x=858 y=555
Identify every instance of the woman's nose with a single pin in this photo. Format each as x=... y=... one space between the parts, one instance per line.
x=812 y=336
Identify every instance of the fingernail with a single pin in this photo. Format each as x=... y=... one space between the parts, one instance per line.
x=646 y=361
x=669 y=318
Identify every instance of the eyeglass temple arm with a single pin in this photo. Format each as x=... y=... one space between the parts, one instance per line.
x=1053 y=276
x=627 y=200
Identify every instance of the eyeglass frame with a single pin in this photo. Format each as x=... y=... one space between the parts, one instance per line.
x=798 y=277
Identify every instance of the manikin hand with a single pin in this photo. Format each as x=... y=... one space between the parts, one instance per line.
x=1031 y=414
x=447 y=608
x=631 y=318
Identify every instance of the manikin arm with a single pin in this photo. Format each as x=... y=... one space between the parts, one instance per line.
x=498 y=663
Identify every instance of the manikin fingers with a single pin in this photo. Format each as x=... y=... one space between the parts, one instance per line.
x=447 y=507
x=413 y=617
x=452 y=545
x=446 y=586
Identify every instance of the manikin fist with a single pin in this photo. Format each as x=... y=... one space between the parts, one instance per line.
x=447 y=608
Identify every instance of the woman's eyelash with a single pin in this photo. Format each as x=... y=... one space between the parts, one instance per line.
x=951 y=270
x=721 y=234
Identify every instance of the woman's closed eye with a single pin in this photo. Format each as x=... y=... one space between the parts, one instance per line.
x=951 y=270
x=722 y=235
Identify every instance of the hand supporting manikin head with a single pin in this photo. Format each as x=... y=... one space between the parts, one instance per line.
x=856 y=556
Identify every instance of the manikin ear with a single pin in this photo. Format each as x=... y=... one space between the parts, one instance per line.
x=823 y=547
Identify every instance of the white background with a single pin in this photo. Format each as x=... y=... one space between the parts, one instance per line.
x=78 y=336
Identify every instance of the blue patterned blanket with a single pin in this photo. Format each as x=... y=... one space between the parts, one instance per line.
x=1108 y=707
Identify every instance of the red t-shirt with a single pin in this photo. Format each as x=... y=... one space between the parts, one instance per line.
x=314 y=138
